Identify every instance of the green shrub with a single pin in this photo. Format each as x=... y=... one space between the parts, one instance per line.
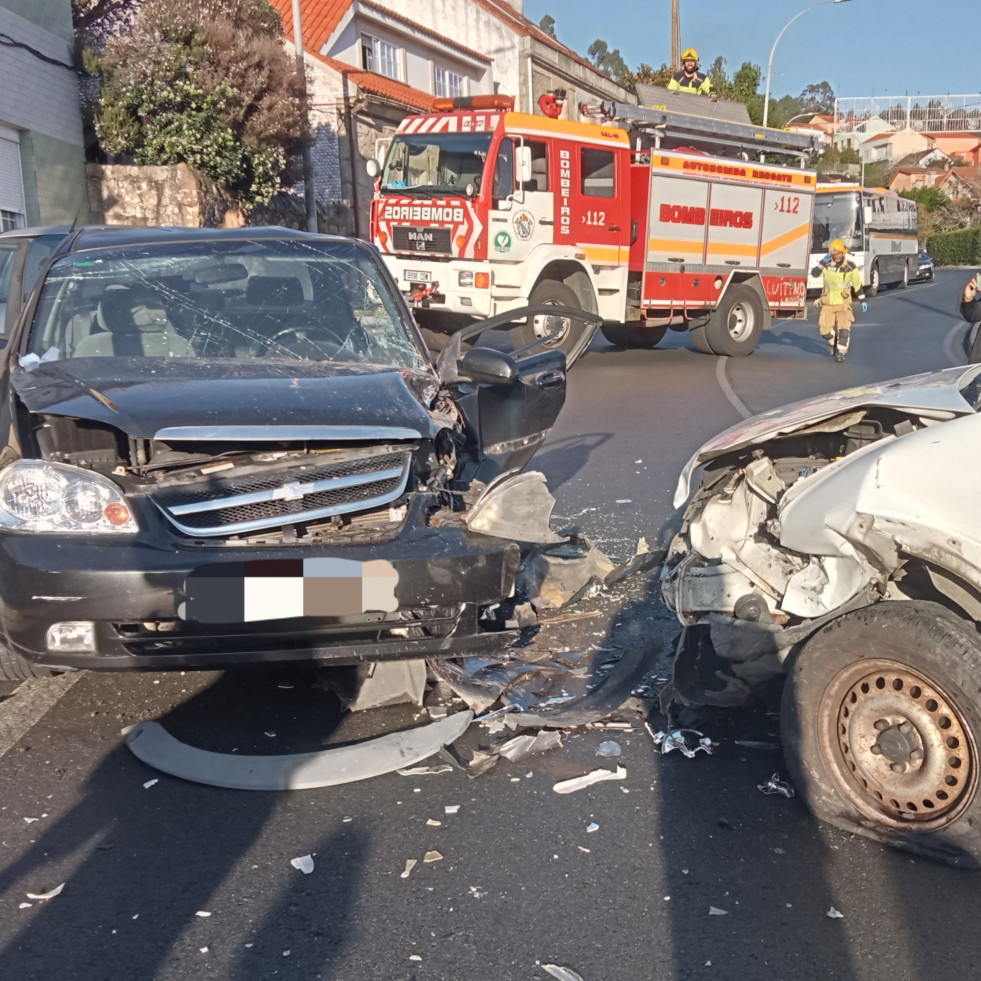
x=958 y=248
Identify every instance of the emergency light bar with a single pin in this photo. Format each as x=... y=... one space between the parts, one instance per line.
x=474 y=102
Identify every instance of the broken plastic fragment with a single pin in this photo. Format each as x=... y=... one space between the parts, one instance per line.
x=715 y=911
x=433 y=823
x=424 y=771
x=202 y=912
x=451 y=809
x=834 y=914
x=608 y=748
x=590 y=828
x=689 y=741
x=151 y=743
x=410 y=864
x=776 y=786
x=151 y=783
x=525 y=745
x=588 y=779
x=516 y=506
x=46 y=895
x=561 y=973
x=30 y=820
x=433 y=856
x=304 y=863
x=25 y=906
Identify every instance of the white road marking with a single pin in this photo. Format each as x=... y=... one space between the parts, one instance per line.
x=30 y=703
x=734 y=400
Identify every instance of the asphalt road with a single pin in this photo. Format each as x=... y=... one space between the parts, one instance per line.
x=523 y=880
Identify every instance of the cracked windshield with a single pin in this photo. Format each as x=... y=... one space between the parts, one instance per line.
x=233 y=300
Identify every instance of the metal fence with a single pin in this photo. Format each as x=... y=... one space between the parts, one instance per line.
x=926 y=113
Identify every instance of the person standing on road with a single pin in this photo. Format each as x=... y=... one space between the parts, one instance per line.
x=690 y=79
x=842 y=282
x=971 y=311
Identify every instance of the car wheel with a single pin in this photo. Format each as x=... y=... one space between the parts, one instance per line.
x=737 y=323
x=881 y=719
x=13 y=667
x=874 y=284
x=571 y=336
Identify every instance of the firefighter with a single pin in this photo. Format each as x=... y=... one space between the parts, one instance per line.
x=842 y=283
x=690 y=79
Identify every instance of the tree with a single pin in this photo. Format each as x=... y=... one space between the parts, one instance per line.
x=745 y=84
x=930 y=197
x=818 y=98
x=208 y=83
x=610 y=63
x=547 y=24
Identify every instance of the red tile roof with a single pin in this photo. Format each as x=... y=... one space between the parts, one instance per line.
x=379 y=85
x=319 y=18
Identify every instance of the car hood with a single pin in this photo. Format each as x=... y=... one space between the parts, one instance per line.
x=934 y=393
x=179 y=399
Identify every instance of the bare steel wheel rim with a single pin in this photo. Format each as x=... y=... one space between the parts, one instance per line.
x=897 y=745
x=549 y=329
x=874 y=282
x=741 y=321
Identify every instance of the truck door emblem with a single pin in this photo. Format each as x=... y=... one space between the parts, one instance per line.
x=502 y=242
x=524 y=225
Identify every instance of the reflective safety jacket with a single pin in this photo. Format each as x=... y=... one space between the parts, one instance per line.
x=699 y=83
x=837 y=278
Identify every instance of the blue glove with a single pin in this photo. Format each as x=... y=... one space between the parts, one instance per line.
x=865 y=307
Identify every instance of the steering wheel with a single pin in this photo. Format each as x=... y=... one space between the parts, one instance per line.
x=328 y=344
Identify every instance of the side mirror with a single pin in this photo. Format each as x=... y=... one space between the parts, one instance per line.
x=485 y=364
x=523 y=164
x=373 y=167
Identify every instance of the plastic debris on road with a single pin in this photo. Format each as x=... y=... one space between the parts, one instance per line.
x=776 y=786
x=519 y=746
x=150 y=783
x=425 y=771
x=608 y=748
x=590 y=828
x=50 y=894
x=304 y=863
x=410 y=864
x=588 y=779
x=561 y=973
x=834 y=914
x=687 y=741
x=715 y=911
x=433 y=856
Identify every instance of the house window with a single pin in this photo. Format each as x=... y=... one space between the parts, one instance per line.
x=447 y=84
x=380 y=56
x=10 y=220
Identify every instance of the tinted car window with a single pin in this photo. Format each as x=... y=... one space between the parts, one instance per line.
x=7 y=256
x=223 y=299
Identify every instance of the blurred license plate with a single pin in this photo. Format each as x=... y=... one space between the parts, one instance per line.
x=242 y=592
x=417 y=276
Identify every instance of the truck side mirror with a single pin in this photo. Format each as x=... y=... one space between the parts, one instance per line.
x=523 y=164
x=373 y=167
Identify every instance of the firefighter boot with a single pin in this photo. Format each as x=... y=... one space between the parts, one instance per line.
x=844 y=336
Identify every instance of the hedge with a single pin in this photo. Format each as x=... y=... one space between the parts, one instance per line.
x=960 y=248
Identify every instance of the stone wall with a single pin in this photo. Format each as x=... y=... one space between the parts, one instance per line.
x=130 y=195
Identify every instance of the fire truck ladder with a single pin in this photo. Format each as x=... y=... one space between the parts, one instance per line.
x=666 y=129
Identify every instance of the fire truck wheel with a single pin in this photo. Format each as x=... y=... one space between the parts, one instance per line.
x=571 y=336
x=736 y=325
x=617 y=334
x=699 y=338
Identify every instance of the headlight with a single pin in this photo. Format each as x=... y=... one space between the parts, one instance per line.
x=465 y=278
x=36 y=496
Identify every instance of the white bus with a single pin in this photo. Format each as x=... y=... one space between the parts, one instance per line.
x=877 y=226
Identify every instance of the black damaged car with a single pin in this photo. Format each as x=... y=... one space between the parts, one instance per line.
x=229 y=447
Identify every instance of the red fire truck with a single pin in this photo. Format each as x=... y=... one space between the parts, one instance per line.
x=648 y=218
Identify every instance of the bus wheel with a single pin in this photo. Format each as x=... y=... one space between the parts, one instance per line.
x=905 y=282
x=873 y=280
x=563 y=333
x=737 y=323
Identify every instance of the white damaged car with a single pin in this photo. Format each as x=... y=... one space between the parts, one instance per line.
x=837 y=543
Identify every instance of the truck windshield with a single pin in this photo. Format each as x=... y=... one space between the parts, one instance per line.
x=441 y=162
x=837 y=215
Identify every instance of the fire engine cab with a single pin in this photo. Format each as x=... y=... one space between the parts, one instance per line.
x=648 y=218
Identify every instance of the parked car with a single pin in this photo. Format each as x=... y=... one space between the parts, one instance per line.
x=835 y=547
x=23 y=253
x=924 y=265
x=232 y=446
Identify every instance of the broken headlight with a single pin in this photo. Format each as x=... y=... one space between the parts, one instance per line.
x=53 y=497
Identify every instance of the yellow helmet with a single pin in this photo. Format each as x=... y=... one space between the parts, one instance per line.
x=689 y=54
x=837 y=246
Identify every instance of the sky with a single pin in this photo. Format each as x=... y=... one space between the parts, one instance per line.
x=860 y=47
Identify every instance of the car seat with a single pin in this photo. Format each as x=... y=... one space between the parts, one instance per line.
x=134 y=323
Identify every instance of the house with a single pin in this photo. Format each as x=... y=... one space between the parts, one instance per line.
x=965 y=145
x=961 y=184
x=372 y=62
x=892 y=146
x=933 y=156
x=42 y=159
x=852 y=132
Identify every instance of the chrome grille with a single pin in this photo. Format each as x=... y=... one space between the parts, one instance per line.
x=253 y=502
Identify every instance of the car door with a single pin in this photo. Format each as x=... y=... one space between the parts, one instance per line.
x=507 y=419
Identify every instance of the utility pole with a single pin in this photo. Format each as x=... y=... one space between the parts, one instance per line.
x=309 y=195
x=675 y=34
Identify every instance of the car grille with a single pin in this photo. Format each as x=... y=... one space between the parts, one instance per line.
x=254 y=502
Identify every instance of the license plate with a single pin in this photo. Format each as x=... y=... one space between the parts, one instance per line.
x=243 y=592
x=416 y=276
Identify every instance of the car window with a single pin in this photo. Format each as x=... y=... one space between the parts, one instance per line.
x=38 y=254
x=224 y=299
x=8 y=253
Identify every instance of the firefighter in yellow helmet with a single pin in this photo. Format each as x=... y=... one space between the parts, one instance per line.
x=690 y=79
x=842 y=283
